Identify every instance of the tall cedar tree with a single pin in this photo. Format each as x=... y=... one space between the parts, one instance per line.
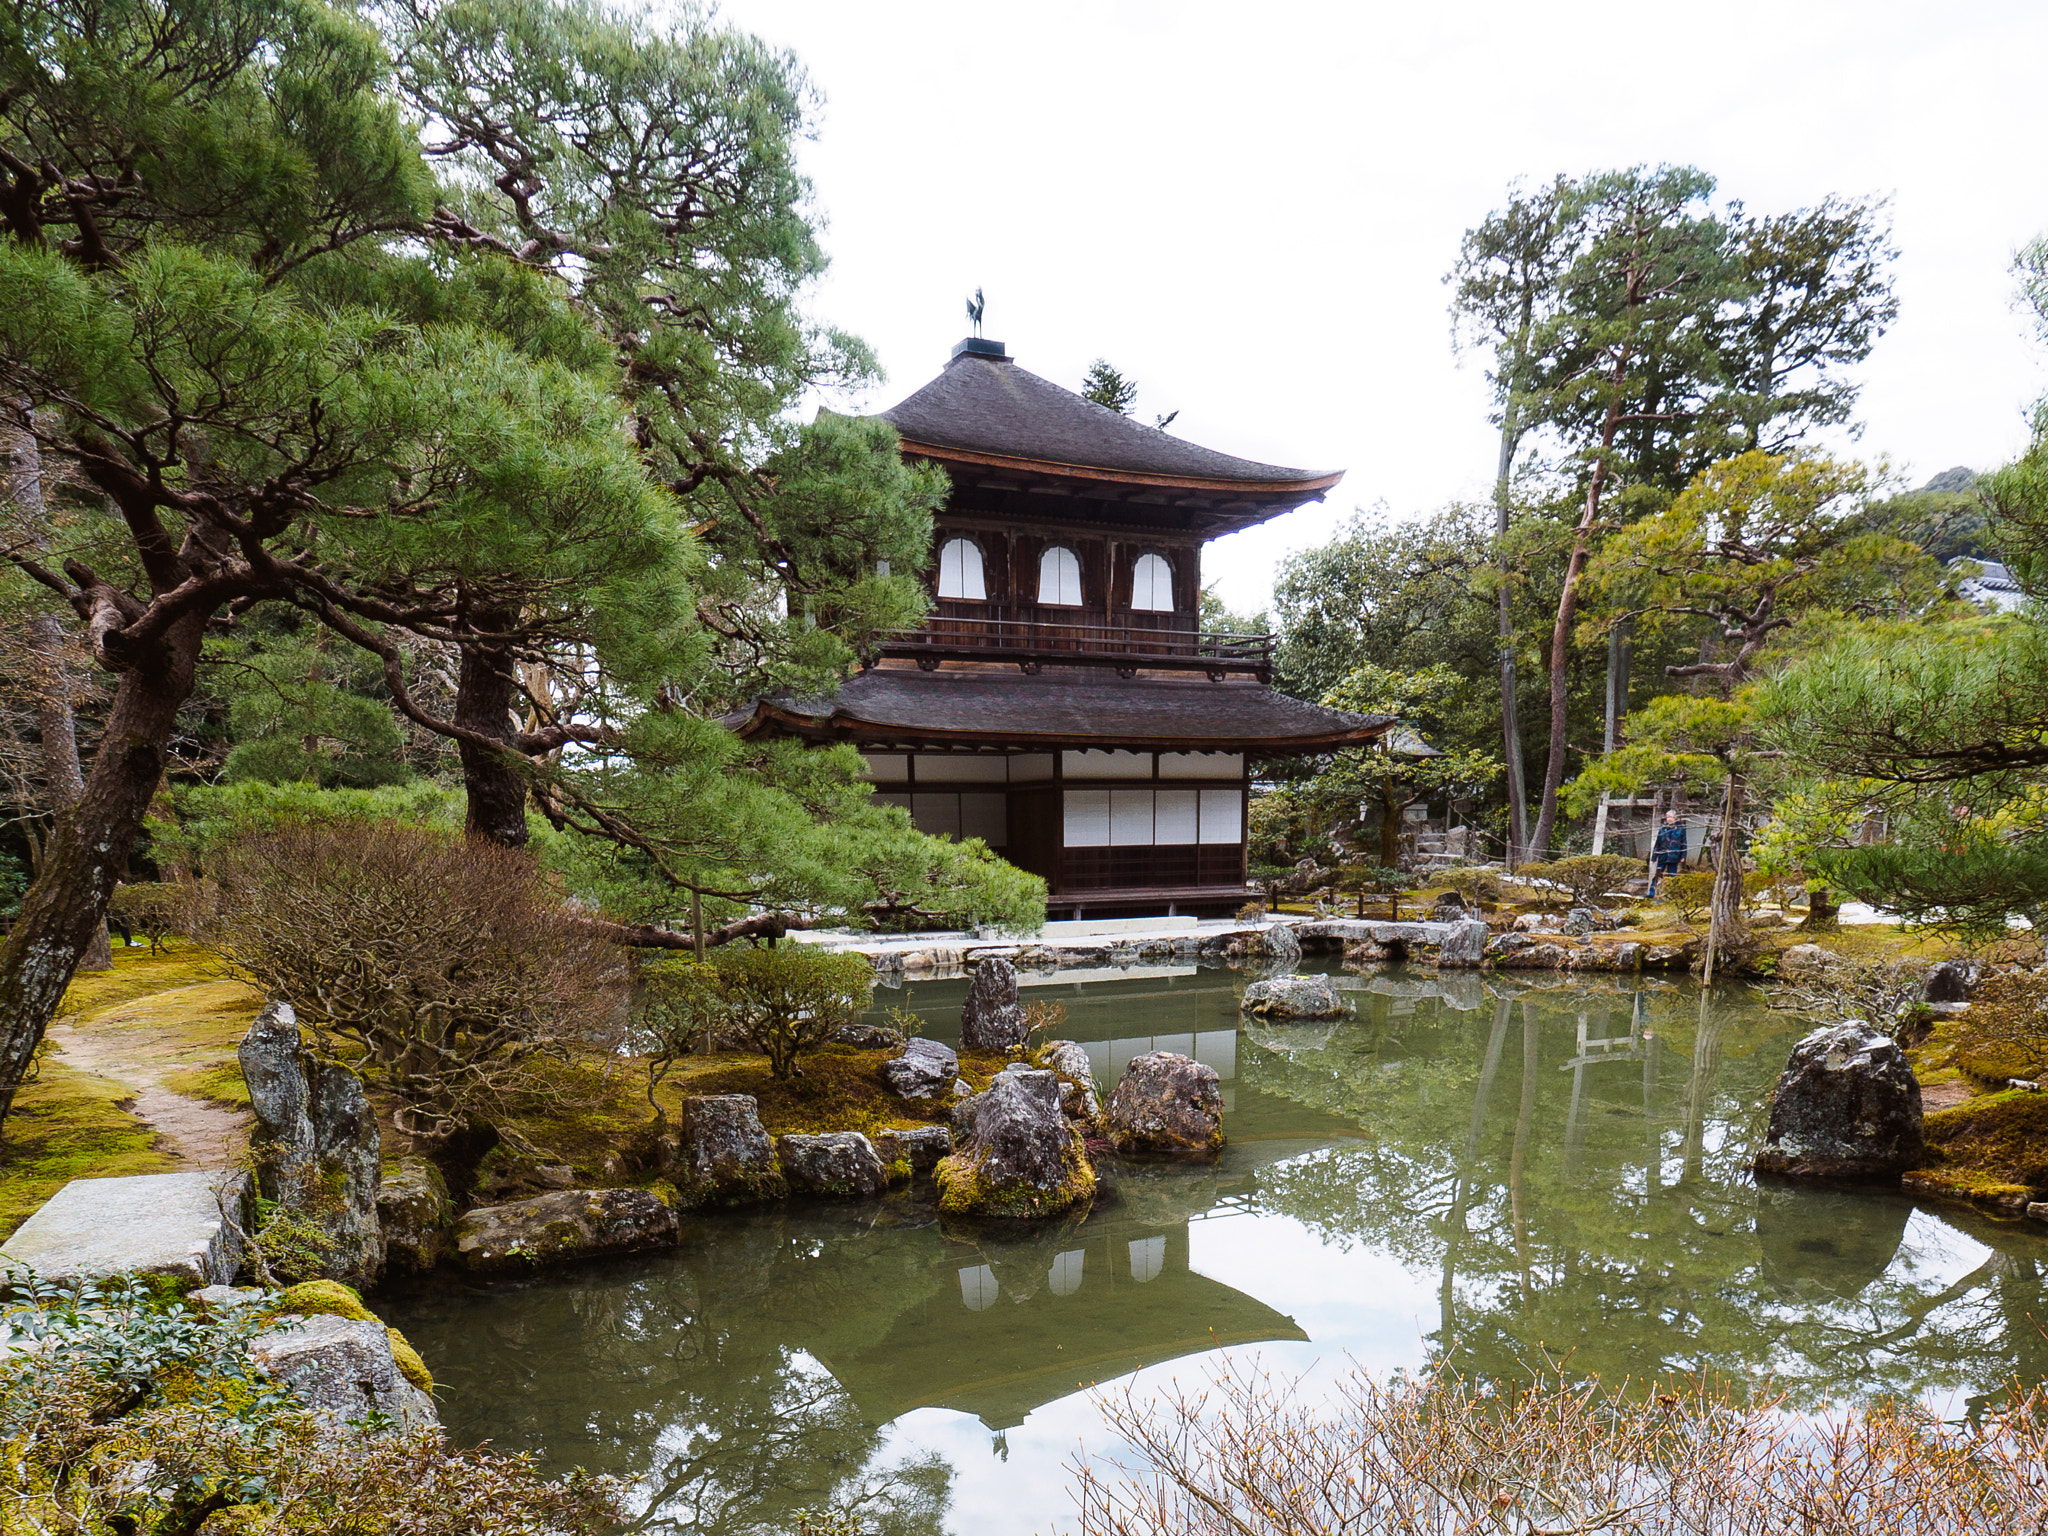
x=1507 y=278
x=1628 y=348
x=1780 y=304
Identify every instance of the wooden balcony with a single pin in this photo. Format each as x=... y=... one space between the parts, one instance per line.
x=1033 y=643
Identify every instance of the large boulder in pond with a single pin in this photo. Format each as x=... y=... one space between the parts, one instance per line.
x=840 y=1165
x=570 y=1224
x=316 y=1147
x=1017 y=1156
x=719 y=1154
x=1167 y=1104
x=927 y=1069
x=992 y=1019
x=416 y=1215
x=343 y=1370
x=1293 y=997
x=1847 y=1106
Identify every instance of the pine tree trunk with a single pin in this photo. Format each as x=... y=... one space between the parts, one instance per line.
x=1510 y=726
x=1561 y=635
x=21 y=461
x=87 y=852
x=491 y=777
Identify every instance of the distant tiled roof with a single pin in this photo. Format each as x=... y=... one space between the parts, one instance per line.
x=988 y=405
x=1053 y=709
x=1993 y=587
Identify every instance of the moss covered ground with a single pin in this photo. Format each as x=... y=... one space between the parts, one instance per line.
x=67 y=1125
x=77 y=1122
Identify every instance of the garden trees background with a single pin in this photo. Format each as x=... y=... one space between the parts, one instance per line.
x=435 y=421
x=1663 y=362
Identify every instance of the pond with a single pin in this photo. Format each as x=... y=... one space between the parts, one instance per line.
x=1474 y=1170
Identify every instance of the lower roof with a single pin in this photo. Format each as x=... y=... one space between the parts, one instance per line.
x=985 y=706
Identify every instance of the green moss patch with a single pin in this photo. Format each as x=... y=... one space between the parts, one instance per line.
x=69 y=1125
x=219 y=1084
x=137 y=973
x=841 y=1089
x=1995 y=1145
x=2003 y=1035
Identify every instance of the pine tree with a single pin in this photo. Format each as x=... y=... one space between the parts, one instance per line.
x=1106 y=387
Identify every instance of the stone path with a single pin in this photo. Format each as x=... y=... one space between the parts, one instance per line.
x=200 y=1133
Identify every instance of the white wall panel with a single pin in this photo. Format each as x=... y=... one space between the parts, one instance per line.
x=1130 y=818
x=1222 y=816
x=1087 y=818
x=1174 y=820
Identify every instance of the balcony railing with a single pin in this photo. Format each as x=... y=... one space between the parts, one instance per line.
x=1032 y=643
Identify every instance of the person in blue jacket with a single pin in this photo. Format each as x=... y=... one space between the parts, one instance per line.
x=1668 y=852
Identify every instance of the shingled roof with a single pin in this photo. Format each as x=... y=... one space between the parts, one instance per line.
x=985 y=406
x=1011 y=709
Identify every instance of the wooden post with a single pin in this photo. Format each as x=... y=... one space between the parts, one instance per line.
x=1600 y=826
x=697 y=922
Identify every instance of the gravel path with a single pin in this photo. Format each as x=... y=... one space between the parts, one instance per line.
x=199 y=1132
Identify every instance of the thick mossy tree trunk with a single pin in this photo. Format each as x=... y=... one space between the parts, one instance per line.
x=21 y=462
x=493 y=777
x=86 y=854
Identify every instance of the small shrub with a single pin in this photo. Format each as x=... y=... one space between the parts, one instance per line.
x=783 y=1001
x=1042 y=1022
x=1251 y=912
x=159 y=908
x=1585 y=878
x=1690 y=893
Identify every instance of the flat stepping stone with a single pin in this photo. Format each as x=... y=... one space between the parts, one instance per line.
x=166 y=1224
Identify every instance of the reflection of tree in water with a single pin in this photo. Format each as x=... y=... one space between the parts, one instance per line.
x=685 y=1379
x=1593 y=1200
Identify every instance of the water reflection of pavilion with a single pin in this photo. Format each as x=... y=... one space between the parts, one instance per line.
x=1017 y=1322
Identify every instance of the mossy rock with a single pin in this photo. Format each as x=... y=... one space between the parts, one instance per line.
x=966 y=1191
x=318 y=1298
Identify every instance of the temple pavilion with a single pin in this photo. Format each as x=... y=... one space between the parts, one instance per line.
x=1063 y=702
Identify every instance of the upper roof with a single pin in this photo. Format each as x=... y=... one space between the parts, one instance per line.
x=994 y=707
x=984 y=409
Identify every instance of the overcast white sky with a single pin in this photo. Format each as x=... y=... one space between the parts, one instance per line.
x=1249 y=208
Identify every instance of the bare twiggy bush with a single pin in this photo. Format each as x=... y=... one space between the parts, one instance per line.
x=1887 y=994
x=1439 y=1456
x=450 y=963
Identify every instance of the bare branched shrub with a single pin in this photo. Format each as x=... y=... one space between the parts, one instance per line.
x=159 y=908
x=1888 y=993
x=449 y=962
x=1245 y=1457
x=1585 y=879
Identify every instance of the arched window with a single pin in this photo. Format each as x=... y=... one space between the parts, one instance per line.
x=1059 y=577
x=1152 y=585
x=960 y=571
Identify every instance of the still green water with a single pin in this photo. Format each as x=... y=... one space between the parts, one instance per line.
x=1474 y=1170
